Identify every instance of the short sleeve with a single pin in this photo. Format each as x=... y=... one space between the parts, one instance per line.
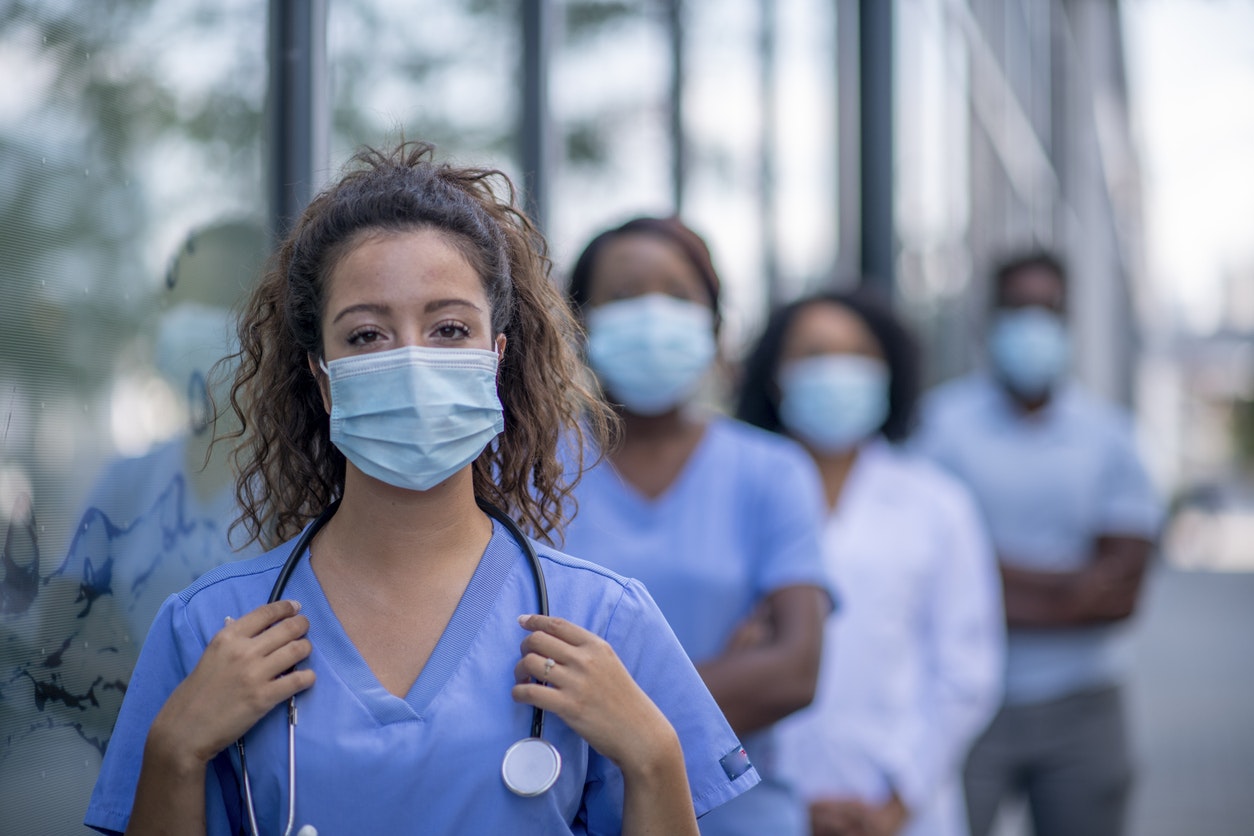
x=1130 y=506
x=717 y=768
x=170 y=652
x=787 y=511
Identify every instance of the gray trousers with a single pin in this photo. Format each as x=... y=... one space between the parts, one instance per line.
x=1068 y=756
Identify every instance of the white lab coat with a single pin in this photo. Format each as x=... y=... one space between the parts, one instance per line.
x=912 y=658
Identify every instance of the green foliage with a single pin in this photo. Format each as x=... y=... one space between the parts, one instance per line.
x=1243 y=430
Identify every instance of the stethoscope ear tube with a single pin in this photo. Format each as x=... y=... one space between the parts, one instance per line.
x=306 y=537
x=542 y=591
x=530 y=766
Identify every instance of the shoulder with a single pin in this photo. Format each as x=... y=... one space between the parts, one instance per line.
x=916 y=477
x=755 y=447
x=1081 y=405
x=230 y=589
x=961 y=395
x=248 y=573
x=579 y=572
x=595 y=597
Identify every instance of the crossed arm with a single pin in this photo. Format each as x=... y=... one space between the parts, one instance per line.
x=771 y=667
x=1103 y=592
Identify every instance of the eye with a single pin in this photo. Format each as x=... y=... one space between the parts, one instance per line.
x=451 y=330
x=364 y=336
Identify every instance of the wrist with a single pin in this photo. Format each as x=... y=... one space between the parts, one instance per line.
x=657 y=758
x=167 y=748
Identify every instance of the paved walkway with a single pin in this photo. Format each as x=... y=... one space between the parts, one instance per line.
x=1192 y=702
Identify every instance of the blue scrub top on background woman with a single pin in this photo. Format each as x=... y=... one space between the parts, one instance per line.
x=720 y=520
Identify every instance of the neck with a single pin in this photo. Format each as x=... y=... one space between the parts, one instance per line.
x=646 y=428
x=396 y=534
x=834 y=470
x=1029 y=404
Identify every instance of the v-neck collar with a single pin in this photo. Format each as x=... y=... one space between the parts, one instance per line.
x=692 y=465
x=332 y=642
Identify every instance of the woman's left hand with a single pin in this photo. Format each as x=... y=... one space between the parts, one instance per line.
x=576 y=675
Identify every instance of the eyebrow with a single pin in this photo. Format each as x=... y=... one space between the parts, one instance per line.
x=363 y=307
x=441 y=304
x=383 y=310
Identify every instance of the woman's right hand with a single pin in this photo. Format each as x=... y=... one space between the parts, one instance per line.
x=241 y=676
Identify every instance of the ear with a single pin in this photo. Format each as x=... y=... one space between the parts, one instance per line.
x=500 y=348
x=324 y=383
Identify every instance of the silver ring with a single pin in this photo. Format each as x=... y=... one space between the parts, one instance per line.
x=548 y=666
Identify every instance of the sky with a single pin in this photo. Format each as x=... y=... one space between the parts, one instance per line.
x=1191 y=74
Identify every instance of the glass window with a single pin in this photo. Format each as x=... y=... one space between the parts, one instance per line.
x=131 y=224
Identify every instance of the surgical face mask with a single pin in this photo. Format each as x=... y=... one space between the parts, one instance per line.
x=191 y=339
x=650 y=352
x=1029 y=350
x=412 y=417
x=835 y=401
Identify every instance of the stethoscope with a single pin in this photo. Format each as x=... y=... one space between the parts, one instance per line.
x=530 y=766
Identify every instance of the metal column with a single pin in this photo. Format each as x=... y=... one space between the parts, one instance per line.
x=299 y=123
x=767 y=151
x=679 y=147
x=535 y=125
x=848 y=185
x=875 y=60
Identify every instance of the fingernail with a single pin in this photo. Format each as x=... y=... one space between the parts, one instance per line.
x=229 y=619
x=296 y=604
x=522 y=619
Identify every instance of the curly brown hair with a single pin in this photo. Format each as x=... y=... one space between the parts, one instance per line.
x=288 y=469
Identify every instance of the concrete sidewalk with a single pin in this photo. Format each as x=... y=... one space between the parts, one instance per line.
x=1192 y=705
x=1192 y=701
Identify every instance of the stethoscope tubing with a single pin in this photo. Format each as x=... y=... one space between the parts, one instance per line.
x=276 y=592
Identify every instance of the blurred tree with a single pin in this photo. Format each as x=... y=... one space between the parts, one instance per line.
x=1243 y=431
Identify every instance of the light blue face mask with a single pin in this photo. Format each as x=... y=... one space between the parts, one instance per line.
x=412 y=417
x=835 y=401
x=650 y=352
x=1029 y=350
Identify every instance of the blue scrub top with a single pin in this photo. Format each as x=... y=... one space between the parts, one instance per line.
x=371 y=762
x=743 y=519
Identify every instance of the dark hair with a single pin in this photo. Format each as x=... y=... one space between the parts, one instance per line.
x=288 y=468
x=671 y=229
x=759 y=391
x=1031 y=260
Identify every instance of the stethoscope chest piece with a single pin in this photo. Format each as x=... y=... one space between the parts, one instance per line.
x=531 y=767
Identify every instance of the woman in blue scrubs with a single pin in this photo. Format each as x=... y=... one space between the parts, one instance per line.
x=912 y=662
x=406 y=355
x=719 y=519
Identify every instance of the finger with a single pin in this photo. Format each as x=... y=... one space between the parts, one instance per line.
x=259 y=619
x=548 y=646
x=533 y=693
x=570 y=633
x=281 y=633
x=286 y=657
x=283 y=687
x=541 y=668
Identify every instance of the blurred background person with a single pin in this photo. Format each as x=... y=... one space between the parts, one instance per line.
x=717 y=518
x=1073 y=518
x=155 y=522
x=912 y=660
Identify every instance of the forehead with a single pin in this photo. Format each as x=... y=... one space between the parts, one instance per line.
x=419 y=262
x=1032 y=285
x=638 y=255
x=829 y=327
